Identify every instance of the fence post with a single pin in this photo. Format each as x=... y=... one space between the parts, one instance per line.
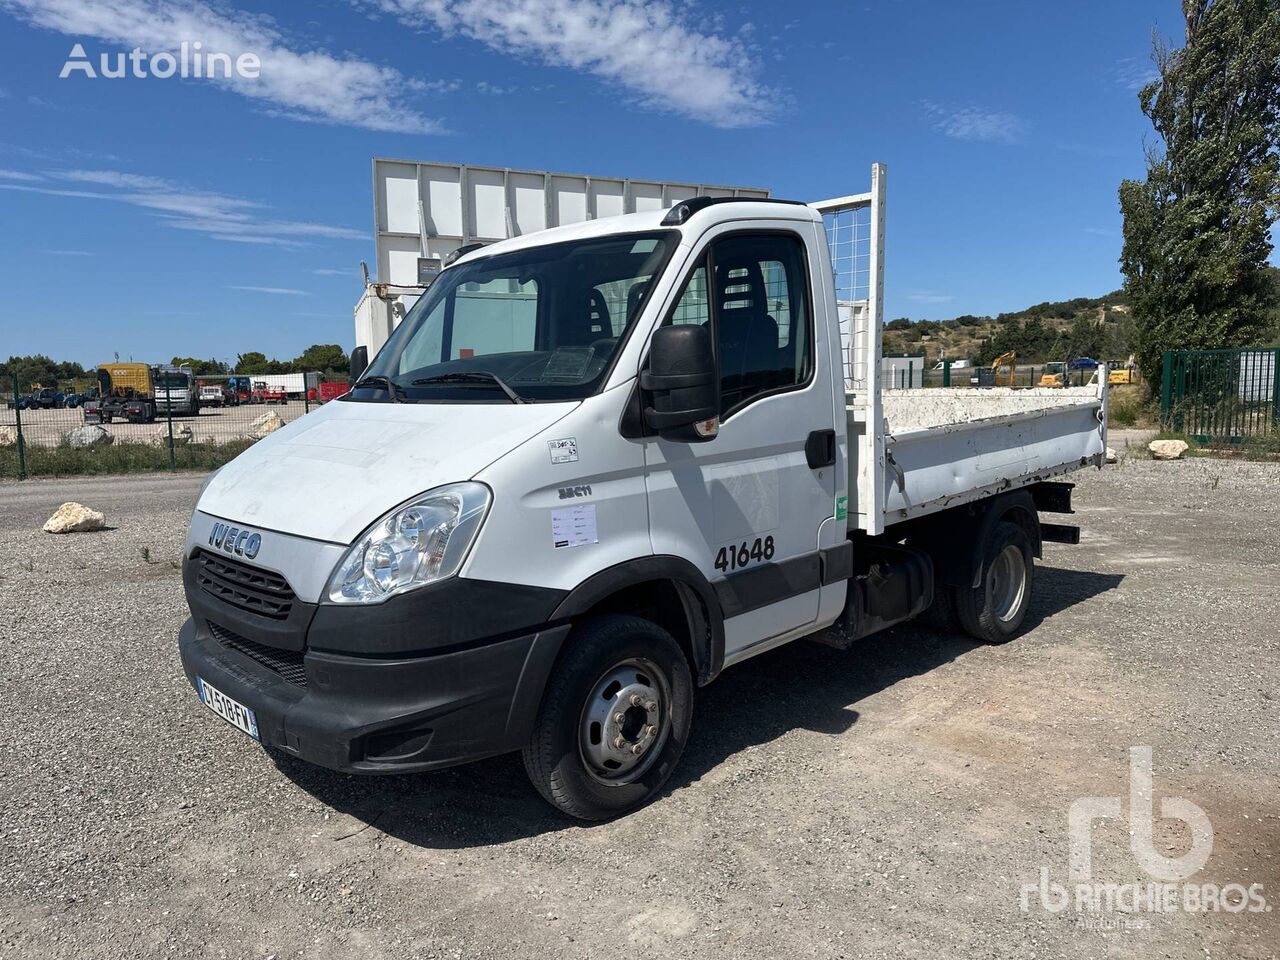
x=173 y=461
x=1275 y=388
x=1166 y=386
x=22 y=447
x=946 y=373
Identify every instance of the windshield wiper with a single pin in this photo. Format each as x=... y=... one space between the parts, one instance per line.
x=472 y=376
x=387 y=384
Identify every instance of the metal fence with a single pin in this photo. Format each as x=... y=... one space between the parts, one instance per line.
x=1223 y=396
x=915 y=373
x=44 y=433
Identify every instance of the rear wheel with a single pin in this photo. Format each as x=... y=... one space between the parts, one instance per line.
x=995 y=609
x=614 y=719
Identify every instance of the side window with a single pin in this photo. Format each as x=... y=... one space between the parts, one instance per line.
x=763 y=325
x=693 y=306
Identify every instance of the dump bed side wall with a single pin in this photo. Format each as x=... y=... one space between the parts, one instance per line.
x=1029 y=438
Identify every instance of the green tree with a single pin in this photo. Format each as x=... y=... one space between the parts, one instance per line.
x=325 y=357
x=254 y=362
x=38 y=369
x=1196 y=230
x=201 y=368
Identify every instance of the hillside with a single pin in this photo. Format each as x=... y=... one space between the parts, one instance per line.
x=1097 y=327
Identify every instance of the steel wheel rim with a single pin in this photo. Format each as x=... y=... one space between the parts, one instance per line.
x=1007 y=583
x=625 y=722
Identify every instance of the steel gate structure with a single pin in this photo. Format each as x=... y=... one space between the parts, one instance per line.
x=1221 y=396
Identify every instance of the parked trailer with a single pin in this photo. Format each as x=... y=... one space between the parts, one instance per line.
x=294 y=385
x=593 y=467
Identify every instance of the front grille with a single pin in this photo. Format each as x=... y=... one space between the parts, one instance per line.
x=247 y=588
x=287 y=663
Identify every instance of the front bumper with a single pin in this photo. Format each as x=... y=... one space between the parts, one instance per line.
x=397 y=714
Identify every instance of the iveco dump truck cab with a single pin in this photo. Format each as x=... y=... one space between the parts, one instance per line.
x=592 y=469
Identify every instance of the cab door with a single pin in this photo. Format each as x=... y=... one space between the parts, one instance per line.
x=746 y=507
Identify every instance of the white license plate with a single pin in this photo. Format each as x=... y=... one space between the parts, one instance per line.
x=232 y=711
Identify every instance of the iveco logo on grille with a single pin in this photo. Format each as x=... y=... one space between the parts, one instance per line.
x=229 y=539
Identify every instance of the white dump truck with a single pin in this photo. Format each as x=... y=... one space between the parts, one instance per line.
x=593 y=468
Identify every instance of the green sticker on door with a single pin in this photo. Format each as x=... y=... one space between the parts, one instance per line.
x=842 y=508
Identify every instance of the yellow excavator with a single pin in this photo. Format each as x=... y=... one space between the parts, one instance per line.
x=1055 y=374
x=1004 y=369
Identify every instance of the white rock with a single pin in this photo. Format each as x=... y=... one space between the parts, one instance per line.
x=75 y=518
x=265 y=424
x=90 y=435
x=8 y=437
x=1112 y=456
x=181 y=435
x=1168 y=449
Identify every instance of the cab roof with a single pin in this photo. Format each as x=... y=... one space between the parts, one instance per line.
x=651 y=221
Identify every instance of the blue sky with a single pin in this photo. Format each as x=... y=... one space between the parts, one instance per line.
x=156 y=217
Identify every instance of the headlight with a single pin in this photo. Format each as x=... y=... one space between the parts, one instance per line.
x=418 y=543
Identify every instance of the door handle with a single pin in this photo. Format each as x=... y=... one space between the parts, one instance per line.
x=820 y=449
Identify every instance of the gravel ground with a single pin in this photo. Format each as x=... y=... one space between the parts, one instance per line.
x=888 y=801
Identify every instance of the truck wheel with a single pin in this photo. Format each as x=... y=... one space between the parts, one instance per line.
x=614 y=719
x=941 y=615
x=994 y=610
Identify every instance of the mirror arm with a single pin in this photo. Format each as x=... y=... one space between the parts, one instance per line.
x=678 y=418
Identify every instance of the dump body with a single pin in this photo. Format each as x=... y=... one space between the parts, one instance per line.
x=946 y=447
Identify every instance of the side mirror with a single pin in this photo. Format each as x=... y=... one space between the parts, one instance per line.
x=359 y=362
x=681 y=385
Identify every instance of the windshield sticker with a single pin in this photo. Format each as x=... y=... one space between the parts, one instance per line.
x=564 y=451
x=574 y=526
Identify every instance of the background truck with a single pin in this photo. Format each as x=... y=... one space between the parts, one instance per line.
x=590 y=470
x=126 y=391
x=175 y=391
x=212 y=395
x=242 y=387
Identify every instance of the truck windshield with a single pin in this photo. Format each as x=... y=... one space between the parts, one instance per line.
x=542 y=324
x=172 y=381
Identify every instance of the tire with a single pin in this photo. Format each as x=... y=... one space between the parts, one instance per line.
x=569 y=754
x=941 y=615
x=994 y=610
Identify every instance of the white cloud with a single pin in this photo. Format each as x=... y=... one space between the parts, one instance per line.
x=218 y=215
x=975 y=123
x=332 y=272
x=67 y=253
x=653 y=48
x=286 y=291
x=928 y=296
x=19 y=175
x=1134 y=74
x=304 y=85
